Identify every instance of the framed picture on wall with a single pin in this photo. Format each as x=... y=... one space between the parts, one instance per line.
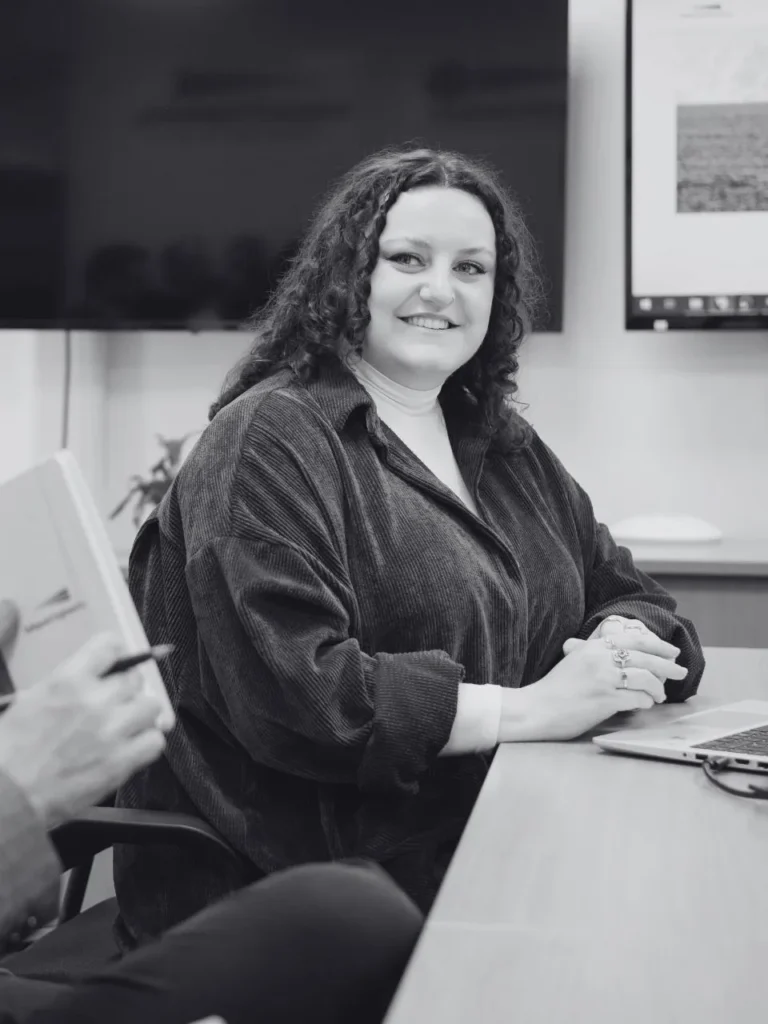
x=696 y=164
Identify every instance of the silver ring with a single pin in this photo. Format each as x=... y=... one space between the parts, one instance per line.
x=620 y=657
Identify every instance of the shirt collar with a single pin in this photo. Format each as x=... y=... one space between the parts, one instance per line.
x=338 y=393
x=341 y=397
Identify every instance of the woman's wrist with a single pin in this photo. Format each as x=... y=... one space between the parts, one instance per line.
x=518 y=723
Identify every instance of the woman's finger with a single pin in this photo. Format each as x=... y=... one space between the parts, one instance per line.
x=631 y=629
x=135 y=717
x=572 y=645
x=640 y=679
x=93 y=658
x=649 y=664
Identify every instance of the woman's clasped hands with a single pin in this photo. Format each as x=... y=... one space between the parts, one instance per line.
x=623 y=666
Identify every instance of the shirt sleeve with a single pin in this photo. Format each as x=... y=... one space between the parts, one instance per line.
x=29 y=867
x=615 y=586
x=478 y=720
x=297 y=690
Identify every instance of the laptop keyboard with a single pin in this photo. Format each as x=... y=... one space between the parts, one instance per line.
x=751 y=741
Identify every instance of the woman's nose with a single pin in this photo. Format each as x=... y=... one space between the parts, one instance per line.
x=438 y=289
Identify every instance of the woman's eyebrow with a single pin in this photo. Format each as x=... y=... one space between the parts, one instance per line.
x=422 y=243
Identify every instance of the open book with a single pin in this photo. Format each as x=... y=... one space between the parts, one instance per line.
x=58 y=567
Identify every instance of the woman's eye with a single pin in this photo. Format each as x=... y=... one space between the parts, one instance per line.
x=465 y=267
x=400 y=256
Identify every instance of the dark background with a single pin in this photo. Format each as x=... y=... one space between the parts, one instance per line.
x=160 y=158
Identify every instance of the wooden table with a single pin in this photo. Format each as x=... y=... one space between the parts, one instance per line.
x=591 y=887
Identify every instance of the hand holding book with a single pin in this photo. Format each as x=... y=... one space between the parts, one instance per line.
x=69 y=741
x=9 y=624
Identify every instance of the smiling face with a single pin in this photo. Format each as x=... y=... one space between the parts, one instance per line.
x=432 y=287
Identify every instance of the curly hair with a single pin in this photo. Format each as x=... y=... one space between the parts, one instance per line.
x=318 y=312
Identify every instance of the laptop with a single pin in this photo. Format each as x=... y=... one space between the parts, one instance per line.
x=58 y=567
x=737 y=731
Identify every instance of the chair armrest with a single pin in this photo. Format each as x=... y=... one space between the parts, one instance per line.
x=81 y=838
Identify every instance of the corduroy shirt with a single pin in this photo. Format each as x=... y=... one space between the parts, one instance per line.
x=326 y=594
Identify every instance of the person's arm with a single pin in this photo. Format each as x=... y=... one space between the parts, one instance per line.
x=615 y=586
x=64 y=744
x=297 y=689
x=29 y=867
x=477 y=722
x=279 y=621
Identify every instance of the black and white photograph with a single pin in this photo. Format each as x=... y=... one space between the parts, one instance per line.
x=383 y=512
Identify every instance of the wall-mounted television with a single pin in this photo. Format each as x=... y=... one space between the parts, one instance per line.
x=697 y=164
x=160 y=158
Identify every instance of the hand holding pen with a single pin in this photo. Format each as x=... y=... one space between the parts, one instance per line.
x=71 y=740
x=130 y=661
x=118 y=666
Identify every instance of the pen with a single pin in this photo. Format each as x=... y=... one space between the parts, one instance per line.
x=156 y=653
x=132 y=660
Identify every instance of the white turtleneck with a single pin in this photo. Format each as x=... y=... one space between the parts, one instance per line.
x=417 y=419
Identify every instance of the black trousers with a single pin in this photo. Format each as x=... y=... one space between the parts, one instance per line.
x=317 y=943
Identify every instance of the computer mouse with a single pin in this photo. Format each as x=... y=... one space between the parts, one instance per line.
x=669 y=529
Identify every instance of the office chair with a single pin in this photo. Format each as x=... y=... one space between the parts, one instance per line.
x=82 y=942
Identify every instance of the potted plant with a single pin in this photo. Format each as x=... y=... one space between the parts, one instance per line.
x=147 y=492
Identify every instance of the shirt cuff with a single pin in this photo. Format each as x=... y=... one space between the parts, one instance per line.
x=478 y=718
x=29 y=866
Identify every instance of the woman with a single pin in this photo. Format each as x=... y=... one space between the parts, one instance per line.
x=372 y=566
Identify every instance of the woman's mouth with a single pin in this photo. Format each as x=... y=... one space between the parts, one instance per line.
x=431 y=323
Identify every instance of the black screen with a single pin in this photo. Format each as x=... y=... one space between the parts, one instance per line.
x=160 y=158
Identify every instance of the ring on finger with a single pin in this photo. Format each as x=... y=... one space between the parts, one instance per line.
x=620 y=657
x=638 y=627
x=616 y=651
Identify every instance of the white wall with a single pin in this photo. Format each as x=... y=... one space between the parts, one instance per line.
x=157 y=383
x=18 y=361
x=32 y=388
x=646 y=422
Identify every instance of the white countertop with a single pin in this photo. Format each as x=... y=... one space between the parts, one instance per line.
x=731 y=556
